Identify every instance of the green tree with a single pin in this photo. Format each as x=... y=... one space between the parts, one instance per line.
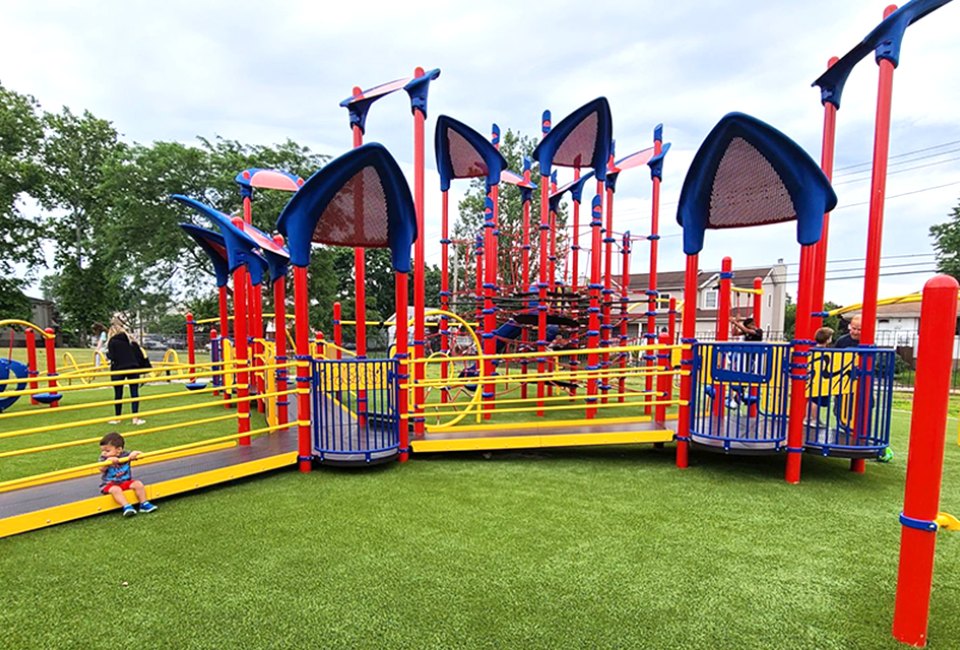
x=946 y=244
x=75 y=153
x=21 y=133
x=790 y=318
x=514 y=148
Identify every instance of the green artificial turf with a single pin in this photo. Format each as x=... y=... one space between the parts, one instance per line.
x=576 y=548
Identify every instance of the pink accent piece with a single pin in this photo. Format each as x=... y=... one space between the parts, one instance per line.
x=271 y=180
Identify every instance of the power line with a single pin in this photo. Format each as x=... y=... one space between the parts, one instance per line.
x=863 y=259
x=897 y=171
x=900 y=155
x=897 y=196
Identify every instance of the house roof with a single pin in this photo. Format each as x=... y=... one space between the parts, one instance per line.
x=673 y=280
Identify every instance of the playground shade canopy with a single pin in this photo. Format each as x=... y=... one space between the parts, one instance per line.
x=462 y=152
x=747 y=173
x=581 y=139
x=361 y=199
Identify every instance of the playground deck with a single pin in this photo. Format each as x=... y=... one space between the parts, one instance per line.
x=580 y=433
x=36 y=507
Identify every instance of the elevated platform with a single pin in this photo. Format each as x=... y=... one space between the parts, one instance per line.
x=36 y=507
x=566 y=433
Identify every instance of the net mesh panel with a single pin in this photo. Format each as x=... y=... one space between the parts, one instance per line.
x=578 y=147
x=747 y=191
x=357 y=214
x=464 y=159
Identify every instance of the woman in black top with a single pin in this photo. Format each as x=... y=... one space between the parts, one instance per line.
x=127 y=356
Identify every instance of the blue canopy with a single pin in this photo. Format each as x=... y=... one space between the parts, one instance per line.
x=464 y=153
x=746 y=173
x=581 y=139
x=361 y=199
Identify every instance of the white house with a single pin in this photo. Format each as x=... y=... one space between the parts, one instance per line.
x=670 y=285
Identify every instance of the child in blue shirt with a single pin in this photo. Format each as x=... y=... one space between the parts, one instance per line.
x=117 y=477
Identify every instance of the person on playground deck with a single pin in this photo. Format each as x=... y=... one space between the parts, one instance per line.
x=125 y=356
x=852 y=338
x=748 y=328
x=820 y=399
x=117 y=477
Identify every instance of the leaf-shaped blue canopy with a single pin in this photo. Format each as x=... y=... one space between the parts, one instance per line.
x=361 y=199
x=581 y=139
x=747 y=173
x=212 y=244
x=885 y=39
x=463 y=153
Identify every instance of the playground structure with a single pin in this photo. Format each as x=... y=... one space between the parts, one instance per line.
x=524 y=336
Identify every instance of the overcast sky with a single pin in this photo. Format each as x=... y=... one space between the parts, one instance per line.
x=262 y=72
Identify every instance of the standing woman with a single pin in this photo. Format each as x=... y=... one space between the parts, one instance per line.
x=125 y=367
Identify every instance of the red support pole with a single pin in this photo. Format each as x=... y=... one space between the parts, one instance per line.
x=624 y=305
x=489 y=319
x=723 y=325
x=878 y=186
x=403 y=372
x=338 y=329
x=799 y=364
x=758 y=301
x=280 y=322
x=478 y=289
x=654 y=253
x=191 y=351
x=663 y=380
x=575 y=246
x=607 y=294
x=256 y=335
x=215 y=357
x=302 y=324
x=593 y=321
x=827 y=149
x=240 y=282
x=928 y=425
x=420 y=264
x=360 y=279
x=31 y=362
x=542 y=288
x=50 y=343
x=444 y=288
x=689 y=325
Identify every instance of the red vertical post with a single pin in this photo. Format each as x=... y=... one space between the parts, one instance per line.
x=301 y=307
x=224 y=335
x=575 y=246
x=664 y=379
x=607 y=292
x=542 y=287
x=799 y=364
x=689 y=326
x=878 y=188
x=338 y=329
x=403 y=372
x=624 y=305
x=50 y=343
x=280 y=323
x=489 y=319
x=240 y=282
x=827 y=149
x=444 y=288
x=31 y=362
x=360 y=279
x=654 y=238
x=928 y=425
x=593 y=321
x=191 y=351
x=215 y=357
x=420 y=265
x=723 y=324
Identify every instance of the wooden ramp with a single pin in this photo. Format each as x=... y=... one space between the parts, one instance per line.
x=31 y=508
x=567 y=433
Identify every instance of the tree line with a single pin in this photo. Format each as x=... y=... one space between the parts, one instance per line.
x=72 y=190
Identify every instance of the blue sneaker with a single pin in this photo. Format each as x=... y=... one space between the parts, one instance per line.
x=146 y=506
x=129 y=511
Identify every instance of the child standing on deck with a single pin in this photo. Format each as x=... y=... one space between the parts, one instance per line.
x=117 y=477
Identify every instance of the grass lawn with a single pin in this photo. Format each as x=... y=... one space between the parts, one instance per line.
x=561 y=549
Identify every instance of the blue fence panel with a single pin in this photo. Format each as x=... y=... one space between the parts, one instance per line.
x=849 y=401
x=356 y=416
x=739 y=396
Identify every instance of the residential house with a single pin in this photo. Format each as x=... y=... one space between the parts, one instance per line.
x=670 y=285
